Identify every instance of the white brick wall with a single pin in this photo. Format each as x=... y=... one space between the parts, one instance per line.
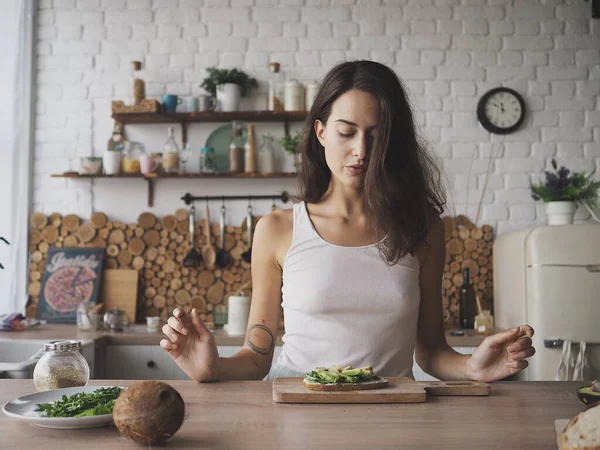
x=449 y=52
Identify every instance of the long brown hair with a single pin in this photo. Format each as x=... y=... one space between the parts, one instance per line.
x=402 y=188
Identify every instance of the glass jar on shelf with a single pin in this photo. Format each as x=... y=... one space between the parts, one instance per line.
x=61 y=366
x=137 y=85
x=170 y=160
x=130 y=161
x=266 y=155
x=158 y=157
x=208 y=163
x=275 y=93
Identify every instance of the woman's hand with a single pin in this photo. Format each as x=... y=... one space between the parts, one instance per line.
x=191 y=345
x=501 y=355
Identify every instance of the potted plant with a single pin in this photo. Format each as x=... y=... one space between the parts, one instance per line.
x=229 y=86
x=290 y=145
x=563 y=191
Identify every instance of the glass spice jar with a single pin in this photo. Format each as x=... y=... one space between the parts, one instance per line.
x=61 y=366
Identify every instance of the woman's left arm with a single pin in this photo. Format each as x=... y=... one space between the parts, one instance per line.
x=498 y=356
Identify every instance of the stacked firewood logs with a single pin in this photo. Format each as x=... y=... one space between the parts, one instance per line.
x=156 y=248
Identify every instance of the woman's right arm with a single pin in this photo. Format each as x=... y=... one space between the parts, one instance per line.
x=193 y=347
x=254 y=360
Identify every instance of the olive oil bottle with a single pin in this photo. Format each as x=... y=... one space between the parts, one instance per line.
x=466 y=297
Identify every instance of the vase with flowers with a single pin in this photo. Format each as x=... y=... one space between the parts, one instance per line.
x=563 y=191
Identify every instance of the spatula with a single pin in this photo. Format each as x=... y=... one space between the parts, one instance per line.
x=208 y=251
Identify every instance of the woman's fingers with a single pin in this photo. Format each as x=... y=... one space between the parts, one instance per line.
x=527 y=353
x=171 y=333
x=517 y=365
x=177 y=322
x=167 y=345
x=520 y=345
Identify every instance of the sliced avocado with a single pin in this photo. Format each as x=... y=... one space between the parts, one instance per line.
x=355 y=372
x=588 y=395
x=326 y=375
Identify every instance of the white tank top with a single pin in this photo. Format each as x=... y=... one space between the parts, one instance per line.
x=346 y=306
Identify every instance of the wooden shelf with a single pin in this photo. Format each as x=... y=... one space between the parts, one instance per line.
x=210 y=116
x=178 y=176
x=150 y=178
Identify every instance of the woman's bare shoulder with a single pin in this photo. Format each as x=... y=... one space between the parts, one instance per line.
x=274 y=232
x=279 y=221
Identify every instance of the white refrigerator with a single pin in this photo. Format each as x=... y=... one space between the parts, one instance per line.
x=549 y=277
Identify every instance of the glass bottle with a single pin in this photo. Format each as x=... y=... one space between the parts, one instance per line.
x=274 y=97
x=171 y=153
x=207 y=160
x=266 y=155
x=61 y=366
x=250 y=151
x=466 y=296
x=185 y=155
x=136 y=83
x=236 y=148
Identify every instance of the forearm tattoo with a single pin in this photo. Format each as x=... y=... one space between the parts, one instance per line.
x=260 y=339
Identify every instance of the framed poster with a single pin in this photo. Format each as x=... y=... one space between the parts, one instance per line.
x=71 y=276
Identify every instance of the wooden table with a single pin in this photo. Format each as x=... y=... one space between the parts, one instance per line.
x=241 y=415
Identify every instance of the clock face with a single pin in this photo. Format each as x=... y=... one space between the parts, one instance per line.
x=501 y=110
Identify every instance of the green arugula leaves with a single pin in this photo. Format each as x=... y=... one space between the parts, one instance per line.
x=97 y=403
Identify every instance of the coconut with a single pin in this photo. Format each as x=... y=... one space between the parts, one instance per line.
x=149 y=412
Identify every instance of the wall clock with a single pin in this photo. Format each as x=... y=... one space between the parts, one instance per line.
x=501 y=110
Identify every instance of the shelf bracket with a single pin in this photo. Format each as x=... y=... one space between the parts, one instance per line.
x=150 y=192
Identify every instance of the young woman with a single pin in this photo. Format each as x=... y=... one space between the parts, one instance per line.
x=357 y=263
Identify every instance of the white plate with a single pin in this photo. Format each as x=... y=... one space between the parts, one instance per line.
x=23 y=408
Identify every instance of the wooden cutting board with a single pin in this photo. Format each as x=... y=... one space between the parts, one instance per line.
x=120 y=290
x=399 y=390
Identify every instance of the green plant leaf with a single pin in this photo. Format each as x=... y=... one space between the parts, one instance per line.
x=221 y=76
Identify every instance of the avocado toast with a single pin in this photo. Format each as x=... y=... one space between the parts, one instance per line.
x=337 y=378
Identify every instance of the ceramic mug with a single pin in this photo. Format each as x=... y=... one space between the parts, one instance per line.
x=206 y=103
x=191 y=104
x=111 y=161
x=170 y=102
x=148 y=164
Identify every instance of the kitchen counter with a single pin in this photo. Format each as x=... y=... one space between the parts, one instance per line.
x=139 y=336
x=241 y=414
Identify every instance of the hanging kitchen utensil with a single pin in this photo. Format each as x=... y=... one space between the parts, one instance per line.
x=223 y=257
x=208 y=251
x=193 y=258
x=247 y=255
x=273 y=206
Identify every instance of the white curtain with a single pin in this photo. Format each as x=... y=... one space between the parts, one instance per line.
x=17 y=34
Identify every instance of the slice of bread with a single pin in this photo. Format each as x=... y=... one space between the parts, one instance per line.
x=583 y=431
x=337 y=387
